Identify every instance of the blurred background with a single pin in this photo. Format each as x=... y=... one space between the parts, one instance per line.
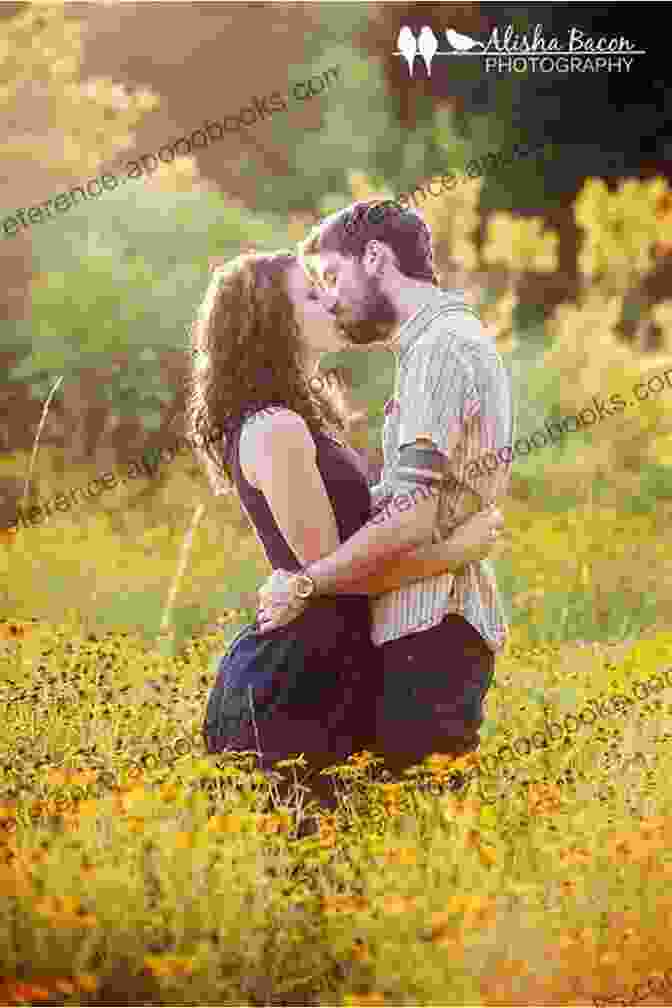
x=568 y=254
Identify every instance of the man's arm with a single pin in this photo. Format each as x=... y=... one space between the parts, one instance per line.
x=403 y=526
x=375 y=543
x=465 y=544
x=417 y=565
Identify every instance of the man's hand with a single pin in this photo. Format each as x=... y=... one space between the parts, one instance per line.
x=479 y=534
x=278 y=605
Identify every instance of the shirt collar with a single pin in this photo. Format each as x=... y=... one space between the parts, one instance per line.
x=412 y=328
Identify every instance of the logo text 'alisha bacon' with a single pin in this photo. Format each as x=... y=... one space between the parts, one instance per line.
x=534 y=53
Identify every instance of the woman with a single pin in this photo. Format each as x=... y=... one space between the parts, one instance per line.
x=256 y=345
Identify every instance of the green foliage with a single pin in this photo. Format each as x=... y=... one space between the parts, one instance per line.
x=125 y=276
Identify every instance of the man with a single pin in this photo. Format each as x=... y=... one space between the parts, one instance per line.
x=452 y=407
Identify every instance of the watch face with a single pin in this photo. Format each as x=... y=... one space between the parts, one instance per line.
x=304 y=586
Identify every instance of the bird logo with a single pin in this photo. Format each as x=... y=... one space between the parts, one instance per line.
x=427 y=46
x=462 y=42
x=407 y=46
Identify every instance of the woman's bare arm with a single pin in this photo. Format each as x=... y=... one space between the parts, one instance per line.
x=278 y=457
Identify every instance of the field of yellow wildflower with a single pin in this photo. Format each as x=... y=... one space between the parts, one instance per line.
x=136 y=870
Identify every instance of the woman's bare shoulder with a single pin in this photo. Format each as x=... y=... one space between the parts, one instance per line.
x=270 y=429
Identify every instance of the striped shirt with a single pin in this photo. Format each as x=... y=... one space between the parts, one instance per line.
x=452 y=387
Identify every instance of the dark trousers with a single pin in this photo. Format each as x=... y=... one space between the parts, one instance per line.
x=434 y=684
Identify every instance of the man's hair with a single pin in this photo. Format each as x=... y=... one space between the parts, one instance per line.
x=348 y=232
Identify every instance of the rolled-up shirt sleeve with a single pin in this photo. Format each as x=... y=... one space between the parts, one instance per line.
x=380 y=495
x=439 y=395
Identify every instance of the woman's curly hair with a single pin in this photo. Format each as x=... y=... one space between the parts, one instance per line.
x=245 y=356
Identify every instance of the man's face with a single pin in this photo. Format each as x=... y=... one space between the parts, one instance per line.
x=364 y=314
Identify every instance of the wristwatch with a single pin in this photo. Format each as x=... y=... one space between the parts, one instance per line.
x=304 y=586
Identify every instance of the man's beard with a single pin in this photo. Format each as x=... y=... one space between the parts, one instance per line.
x=380 y=318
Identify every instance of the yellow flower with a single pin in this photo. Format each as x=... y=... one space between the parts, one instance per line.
x=392 y=789
x=654 y=823
x=573 y=938
x=136 y=824
x=402 y=856
x=8 y=537
x=275 y=823
x=344 y=904
x=169 y=792
x=513 y=967
x=14 y=880
x=487 y=855
x=225 y=824
x=183 y=840
x=169 y=966
x=464 y=903
x=129 y=797
x=86 y=982
x=575 y=855
x=56 y=777
x=362 y=759
x=63 y=986
x=363 y=1000
x=395 y=904
x=64 y=911
x=84 y=777
x=26 y=858
x=88 y=807
x=13 y=630
x=360 y=952
x=444 y=928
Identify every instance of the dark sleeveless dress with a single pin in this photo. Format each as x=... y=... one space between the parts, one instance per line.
x=332 y=712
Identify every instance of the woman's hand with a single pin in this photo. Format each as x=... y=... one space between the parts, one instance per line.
x=278 y=605
x=479 y=534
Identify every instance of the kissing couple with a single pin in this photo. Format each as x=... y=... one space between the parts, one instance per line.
x=379 y=625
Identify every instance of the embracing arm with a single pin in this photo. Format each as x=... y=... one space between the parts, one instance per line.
x=467 y=544
x=446 y=557
x=449 y=556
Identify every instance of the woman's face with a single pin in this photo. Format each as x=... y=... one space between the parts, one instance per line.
x=318 y=330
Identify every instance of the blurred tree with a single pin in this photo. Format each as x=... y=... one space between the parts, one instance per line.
x=41 y=55
x=48 y=115
x=114 y=295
